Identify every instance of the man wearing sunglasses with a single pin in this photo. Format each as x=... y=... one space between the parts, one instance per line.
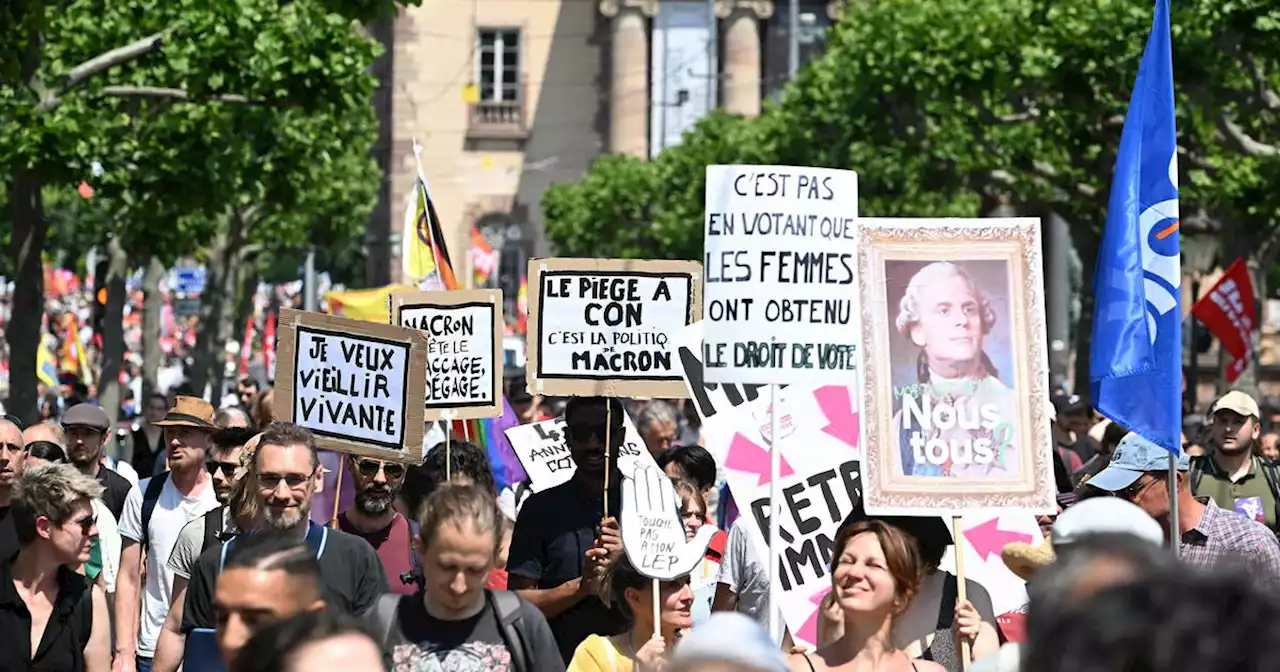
x=373 y=517
x=285 y=475
x=563 y=542
x=1209 y=535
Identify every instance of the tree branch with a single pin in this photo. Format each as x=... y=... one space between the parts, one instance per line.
x=1262 y=87
x=1242 y=140
x=170 y=93
x=1195 y=160
x=110 y=59
x=1028 y=113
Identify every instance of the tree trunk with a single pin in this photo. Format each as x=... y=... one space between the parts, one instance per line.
x=1087 y=245
x=210 y=343
x=152 y=304
x=225 y=320
x=109 y=392
x=23 y=330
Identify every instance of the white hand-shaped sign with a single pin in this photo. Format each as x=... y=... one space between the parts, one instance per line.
x=652 y=532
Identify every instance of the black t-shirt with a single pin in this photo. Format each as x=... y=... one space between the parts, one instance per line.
x=62 y=645
x=552 y=534
x=351 y=577
x=8 y=534
x=423 y=642
x=116 y=490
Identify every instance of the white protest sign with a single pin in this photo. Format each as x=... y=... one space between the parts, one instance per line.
x=358 y=386
x=464 y=361
x=652 y=532
x=543 y=451
x=599 y=326
x=781 y=301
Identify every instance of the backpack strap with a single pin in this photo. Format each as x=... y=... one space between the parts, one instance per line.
x=1271 y=470
x=384 y=613
x=149 y=500
x=1195 y=471
x=212 y=528
x=414 y=561
x=506 y=606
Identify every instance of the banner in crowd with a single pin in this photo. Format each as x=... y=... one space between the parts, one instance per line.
x=1229 y=311
x=599 y=326
x=781 y=272
x=955 y=380
x=464 y=349
x=543 y=451
x=358 y=386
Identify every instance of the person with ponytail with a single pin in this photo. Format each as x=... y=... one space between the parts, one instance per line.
x=642 y=647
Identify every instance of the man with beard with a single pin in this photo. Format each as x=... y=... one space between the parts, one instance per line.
x=88 y=430
x=12 y=459
x=1232 y=476
x=152 y=521
x=285 y=469
x=565 y=537
x=373 y=518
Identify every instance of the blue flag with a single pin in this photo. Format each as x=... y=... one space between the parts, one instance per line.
x=1136 y=350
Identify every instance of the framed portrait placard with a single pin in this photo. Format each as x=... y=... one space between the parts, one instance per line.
x=955 y=368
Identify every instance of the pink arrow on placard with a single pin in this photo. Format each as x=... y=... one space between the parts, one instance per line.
x=745 y=455
x=809 y=631
x=988 y=539
x=842 y=421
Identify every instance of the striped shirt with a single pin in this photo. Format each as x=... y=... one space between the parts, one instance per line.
x=1226 y=537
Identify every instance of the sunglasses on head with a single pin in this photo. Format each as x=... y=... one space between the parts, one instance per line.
x=369 y=468
x=228 y=469
x=16 y=421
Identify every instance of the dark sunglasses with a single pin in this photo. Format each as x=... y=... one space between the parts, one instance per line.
x=1131 y=493
x=228 y=469
x=583 y=432
x=294 y=481
x=369 y=468
x=16 y=420
x=86 y=523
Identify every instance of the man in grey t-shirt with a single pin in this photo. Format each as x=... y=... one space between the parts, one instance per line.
x=744 y=579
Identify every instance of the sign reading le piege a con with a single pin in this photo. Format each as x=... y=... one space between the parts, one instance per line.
x=464 y=346
x=358 y=386
x=781 y=272
x=600 y=326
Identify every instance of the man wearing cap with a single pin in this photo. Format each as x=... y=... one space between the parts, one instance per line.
x=1232 y=475
x=1208 y=535
x=153 y=520
x=88 y=430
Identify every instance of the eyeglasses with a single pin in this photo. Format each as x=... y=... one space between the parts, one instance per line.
x=369 y=468
x=228 y=469
x=294 y=481
x=1136 y=488
x=583 y=432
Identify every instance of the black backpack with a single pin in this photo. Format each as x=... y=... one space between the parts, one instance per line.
x=149 y=500
x=504 y=603
x=1199 y=464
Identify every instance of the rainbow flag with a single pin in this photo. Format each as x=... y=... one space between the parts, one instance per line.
x=491 y=434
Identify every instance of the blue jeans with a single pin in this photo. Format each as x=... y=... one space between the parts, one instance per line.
x=144 y=664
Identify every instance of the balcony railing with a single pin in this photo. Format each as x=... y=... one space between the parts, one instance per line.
x=499 y=120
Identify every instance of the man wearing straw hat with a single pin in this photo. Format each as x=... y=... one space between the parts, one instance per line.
x=153 y=517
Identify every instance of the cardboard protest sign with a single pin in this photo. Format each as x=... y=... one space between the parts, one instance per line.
x=600 y=325
x=543 y=451
x=782 y=286
x=358 y=386
x=464 y=349
x=652 y=533
x=955 y=395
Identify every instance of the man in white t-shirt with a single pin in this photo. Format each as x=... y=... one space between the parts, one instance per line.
x=152 y=520
x=744 y=580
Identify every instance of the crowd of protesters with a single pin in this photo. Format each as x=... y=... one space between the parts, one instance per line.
x=199 y=551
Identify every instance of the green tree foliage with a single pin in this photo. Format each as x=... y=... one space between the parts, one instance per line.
x=196 y=108
x=952 y=107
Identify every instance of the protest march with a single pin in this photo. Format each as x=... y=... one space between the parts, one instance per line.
x=828 y=439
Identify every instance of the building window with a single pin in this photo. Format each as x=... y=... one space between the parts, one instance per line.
x=498 y=65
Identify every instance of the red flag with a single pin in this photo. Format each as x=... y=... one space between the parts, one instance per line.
x=1228 y=310
x=246 y=346
x=269 y=346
